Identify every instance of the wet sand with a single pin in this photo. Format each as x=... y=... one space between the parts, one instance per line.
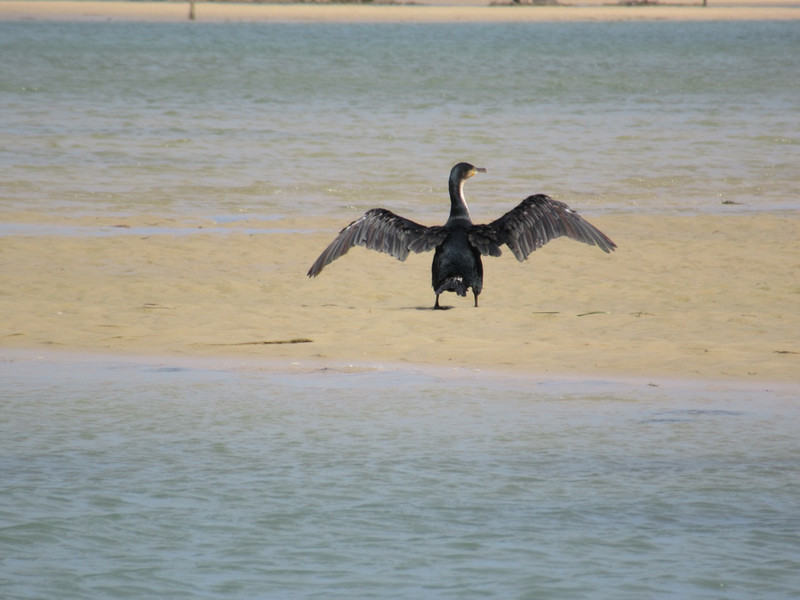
x=423 y=11
x=712 y=297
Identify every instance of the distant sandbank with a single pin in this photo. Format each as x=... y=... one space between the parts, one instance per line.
x=425 y=11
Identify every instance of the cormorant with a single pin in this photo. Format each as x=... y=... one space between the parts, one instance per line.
x=459 y=243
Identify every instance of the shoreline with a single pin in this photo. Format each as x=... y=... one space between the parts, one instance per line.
x=299 y=369
x=465 y=11
x=665 y=305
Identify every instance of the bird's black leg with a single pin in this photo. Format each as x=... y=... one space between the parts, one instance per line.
x=436 y=306
x=474 y=293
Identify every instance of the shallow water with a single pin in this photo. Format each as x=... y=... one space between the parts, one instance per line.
x=288 y=119
x=126 y=479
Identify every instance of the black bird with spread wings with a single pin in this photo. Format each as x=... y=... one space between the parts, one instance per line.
x=459 y=243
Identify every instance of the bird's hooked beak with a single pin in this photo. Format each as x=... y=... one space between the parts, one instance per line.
x=477 y=170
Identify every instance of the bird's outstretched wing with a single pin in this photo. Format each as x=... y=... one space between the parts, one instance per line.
x=382 y=230
x=531 y=224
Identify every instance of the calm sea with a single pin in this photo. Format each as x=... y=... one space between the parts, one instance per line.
x=135 y=480
x=154 y=479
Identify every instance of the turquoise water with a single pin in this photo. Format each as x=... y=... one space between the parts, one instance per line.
x=142 y=479
x=201 y=480
x=265 y=120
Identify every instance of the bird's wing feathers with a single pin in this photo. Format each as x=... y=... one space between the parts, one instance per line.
x=382 y=230
x=534 y=222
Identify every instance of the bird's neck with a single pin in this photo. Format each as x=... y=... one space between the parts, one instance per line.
x=459 y=211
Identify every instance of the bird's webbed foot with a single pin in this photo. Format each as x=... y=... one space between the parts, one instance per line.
x=438 y=307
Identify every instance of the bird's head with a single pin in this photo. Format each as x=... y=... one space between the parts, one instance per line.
x=463 y=171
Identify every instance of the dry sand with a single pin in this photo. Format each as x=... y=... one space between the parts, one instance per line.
x=699 y=296
x=423 y=11
x=714 y=297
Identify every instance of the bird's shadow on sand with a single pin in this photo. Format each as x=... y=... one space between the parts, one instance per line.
x=428 y=308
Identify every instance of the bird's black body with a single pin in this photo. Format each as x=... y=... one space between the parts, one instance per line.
x=459 y=243
x=457 y=266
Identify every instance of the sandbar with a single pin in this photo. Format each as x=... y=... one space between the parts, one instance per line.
x=702 y=296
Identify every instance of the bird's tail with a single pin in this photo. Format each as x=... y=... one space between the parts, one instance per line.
x=453 y=284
